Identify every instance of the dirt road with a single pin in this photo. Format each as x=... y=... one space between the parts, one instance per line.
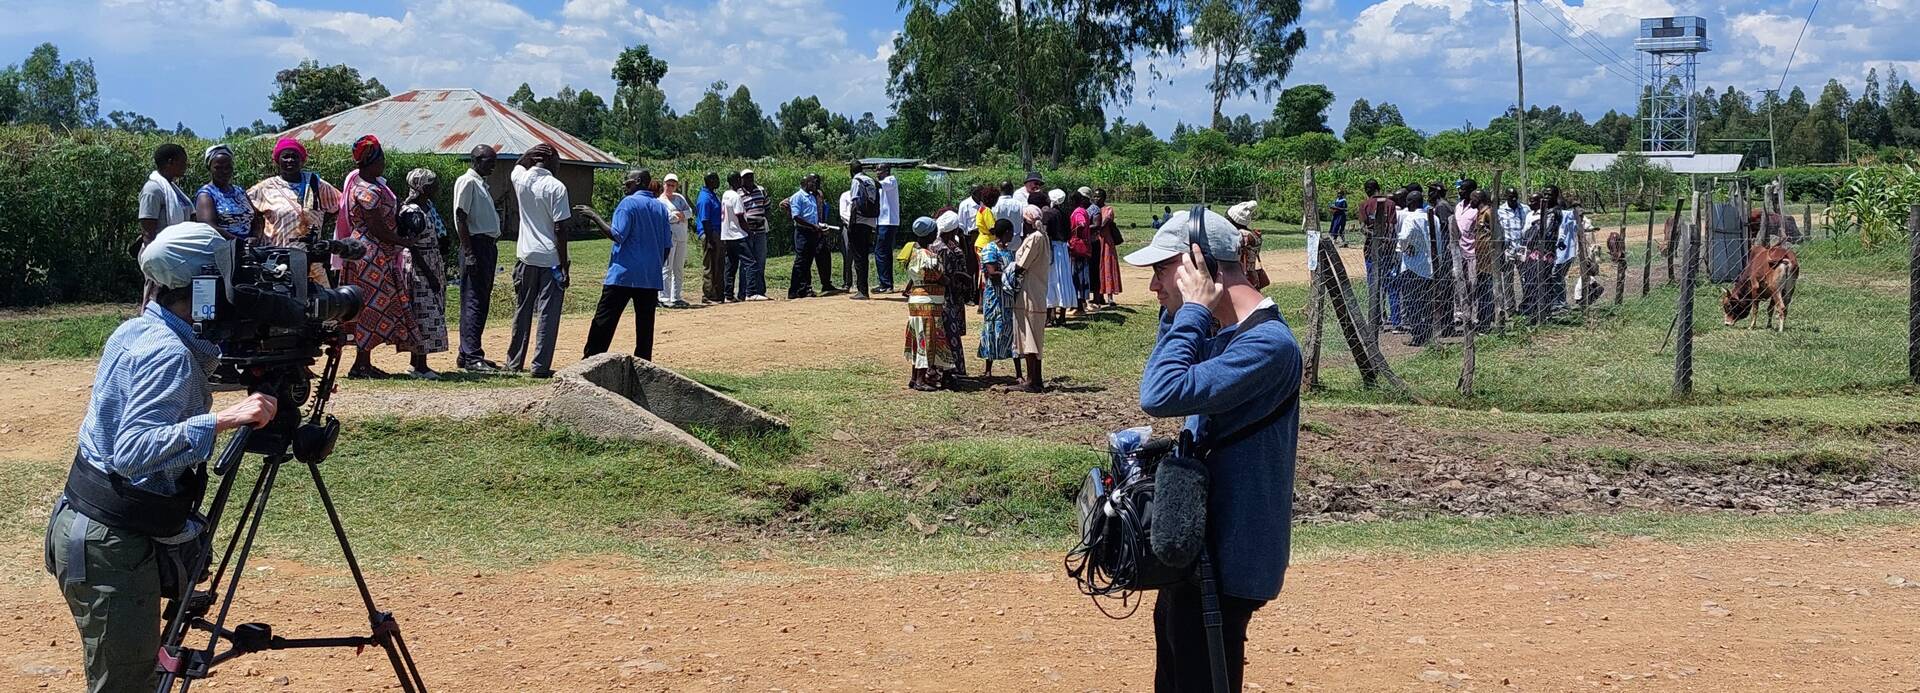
x=1825 y=614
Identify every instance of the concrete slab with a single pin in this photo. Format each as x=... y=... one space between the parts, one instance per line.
x=621 y=397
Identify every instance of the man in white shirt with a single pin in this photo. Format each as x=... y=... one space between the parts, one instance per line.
x=1008 y=209
x=540 y=277
x=674 y=272
x=162 y=202
x=733 y=279
x=476 y=220
x=884 y=232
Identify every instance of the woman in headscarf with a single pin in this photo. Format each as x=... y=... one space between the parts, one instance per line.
x=367 y=209
x=996 y=318
x=220 y=203
x=421 y=229
x=956 y=268
x=927 y=347
x=1058 y=227
x=1241 y=216
x=1034 y=263
x=1108 y=234
x=294 y=202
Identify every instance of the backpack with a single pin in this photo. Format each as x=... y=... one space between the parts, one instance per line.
x=866 y=199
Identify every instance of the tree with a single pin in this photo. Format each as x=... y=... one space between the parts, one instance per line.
x=522 y=97
x=1903 y=111
x=636 y=65
x=805 y=127
x=50 y=92
x=1450 y=145
x=131 y=122
x=1302 y=109
x=1361 y=121
x=1397 y=140
x=257 y=128
x=1615 y=130
x=1305 y=148
x=310 y=91
x=746 y=125
x=1253 y=43
x=1556 y=153
x=705 y=126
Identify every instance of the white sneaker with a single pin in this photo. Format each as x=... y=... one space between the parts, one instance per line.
x=758 y=297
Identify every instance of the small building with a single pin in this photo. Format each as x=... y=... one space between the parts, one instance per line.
x=453 y=122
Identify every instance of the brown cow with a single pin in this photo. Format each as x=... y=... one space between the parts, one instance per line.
x=1770 y=276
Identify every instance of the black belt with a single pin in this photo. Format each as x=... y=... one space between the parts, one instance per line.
x=114 y=501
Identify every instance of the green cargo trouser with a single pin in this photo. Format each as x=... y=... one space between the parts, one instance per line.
x=116 y=606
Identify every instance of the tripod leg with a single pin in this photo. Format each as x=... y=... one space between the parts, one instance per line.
x=178 y=624
x=385 y=629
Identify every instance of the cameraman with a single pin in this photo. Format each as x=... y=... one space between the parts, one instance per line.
x=137 y=474
x=1229 y=363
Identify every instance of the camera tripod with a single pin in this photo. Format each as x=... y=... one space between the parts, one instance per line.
x=285 y=440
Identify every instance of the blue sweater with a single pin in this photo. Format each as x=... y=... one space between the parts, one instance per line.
x=641 y=240
x=1195 y=373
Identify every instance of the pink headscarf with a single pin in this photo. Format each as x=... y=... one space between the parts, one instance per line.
x=287 y=143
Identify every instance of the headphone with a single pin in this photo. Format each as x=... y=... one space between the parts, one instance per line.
x=1197 y=235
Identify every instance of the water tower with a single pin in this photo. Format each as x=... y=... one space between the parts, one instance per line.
x=1673 y=46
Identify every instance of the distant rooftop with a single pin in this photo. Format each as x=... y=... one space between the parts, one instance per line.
x=449 y=121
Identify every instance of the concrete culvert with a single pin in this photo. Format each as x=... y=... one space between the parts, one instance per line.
x=618 y=396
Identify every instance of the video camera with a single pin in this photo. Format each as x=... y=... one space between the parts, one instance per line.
x=262 y=309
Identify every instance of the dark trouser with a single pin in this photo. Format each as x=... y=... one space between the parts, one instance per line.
x=536 y=290
x=734 y=282
x=1536 y=296
x=823 y=262
x=1421 y=296
x=1379 y=262
x=883 y=257
x=1338 y=229
x=1182 y=663
x=117 y=604
x=806 y=246
x=713 y=264
x=478 y=262
x=859 y=247
x=753 y=276
x=1481 y=290
x=1557 y=287
x=606 y=319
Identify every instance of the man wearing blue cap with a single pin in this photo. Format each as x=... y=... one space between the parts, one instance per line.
x=1227 y=362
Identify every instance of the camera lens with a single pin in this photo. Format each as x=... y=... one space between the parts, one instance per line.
x=333 y=305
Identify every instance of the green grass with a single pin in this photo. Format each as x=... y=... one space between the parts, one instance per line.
x=61 y=335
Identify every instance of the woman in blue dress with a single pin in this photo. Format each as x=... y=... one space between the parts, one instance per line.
x=996 y=322
x=220 y=203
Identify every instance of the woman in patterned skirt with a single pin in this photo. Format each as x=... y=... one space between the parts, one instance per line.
x=421 y=228
x=996 y=321
x=367 y=213
x=926 y=290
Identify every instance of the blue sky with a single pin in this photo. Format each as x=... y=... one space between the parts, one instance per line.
x=1445 y=62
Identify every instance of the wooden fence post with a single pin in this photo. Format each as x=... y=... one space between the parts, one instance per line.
x=1913 y=294
x=1673 y=236
x=1316 y=284
x=1806 y=223
x=1683 y=309
x=1646 y=262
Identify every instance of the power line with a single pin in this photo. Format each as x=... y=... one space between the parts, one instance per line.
x=1611 y=68
x=1773 y=151
x=1586 y=35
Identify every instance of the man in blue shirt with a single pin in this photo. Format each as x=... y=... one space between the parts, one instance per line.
x=809 y=240
x=713 y=253
x=641 y=240
x=1338 y=230
x=1229 y=363
x=137 y=475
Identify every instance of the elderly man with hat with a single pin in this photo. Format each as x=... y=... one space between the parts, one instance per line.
x=137 y=474
x=642 y=240
x=1226 y=361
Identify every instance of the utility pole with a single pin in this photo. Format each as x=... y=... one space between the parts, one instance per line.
x=1520 y=85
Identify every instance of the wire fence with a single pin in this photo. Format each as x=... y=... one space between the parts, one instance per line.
x=1552 y=306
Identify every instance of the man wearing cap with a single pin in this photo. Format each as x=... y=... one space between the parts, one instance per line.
x=673 y=276
x=1034 y=183
x=477 y=221
x=136 y=476
x=642 y=239
x=540 y=276
x=1227 y=361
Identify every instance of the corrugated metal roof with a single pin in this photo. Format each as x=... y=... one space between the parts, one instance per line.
x=1677 y=163
x=449 y=121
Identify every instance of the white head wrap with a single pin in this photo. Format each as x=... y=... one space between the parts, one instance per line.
x=1056 y=196
x=1242 y=213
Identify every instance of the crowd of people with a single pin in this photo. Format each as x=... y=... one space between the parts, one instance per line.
x=1510 y=256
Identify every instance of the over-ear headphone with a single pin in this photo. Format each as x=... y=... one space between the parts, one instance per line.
x=1197 y=235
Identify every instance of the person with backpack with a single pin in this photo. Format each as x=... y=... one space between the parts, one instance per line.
x=887 y=228
x=751 y=209
x=866 y=214
x=1238 y=386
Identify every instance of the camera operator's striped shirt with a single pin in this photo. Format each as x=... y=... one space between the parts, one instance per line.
x=149 y=417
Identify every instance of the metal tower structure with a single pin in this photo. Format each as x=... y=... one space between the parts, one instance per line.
x=1673 y=46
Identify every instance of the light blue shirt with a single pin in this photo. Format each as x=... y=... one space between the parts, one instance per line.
x=149 y=420
x=805 y=207
x=1569 y=239
x=641 y=239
